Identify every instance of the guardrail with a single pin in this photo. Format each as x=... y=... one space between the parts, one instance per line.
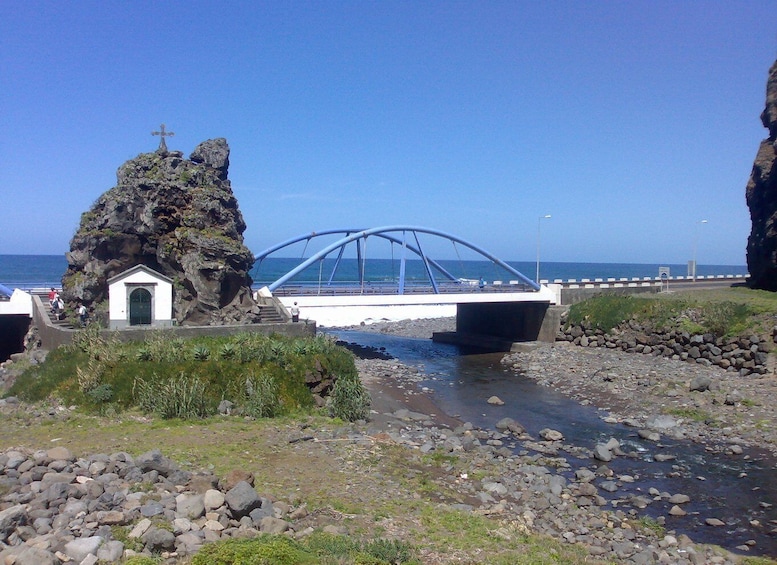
x=342 y=289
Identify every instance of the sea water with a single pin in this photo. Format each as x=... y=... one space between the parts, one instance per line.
x=46 y=270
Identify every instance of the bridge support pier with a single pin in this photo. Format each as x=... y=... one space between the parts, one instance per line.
x=498 y=325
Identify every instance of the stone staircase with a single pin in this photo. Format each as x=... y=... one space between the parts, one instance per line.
x=61 y=322
x=271 y=311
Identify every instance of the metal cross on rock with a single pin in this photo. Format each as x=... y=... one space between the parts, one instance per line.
x=162 y=134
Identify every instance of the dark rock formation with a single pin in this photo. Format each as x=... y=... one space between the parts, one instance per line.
x=762 y=199
x=178 y=217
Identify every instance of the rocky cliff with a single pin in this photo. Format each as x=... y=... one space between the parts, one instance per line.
x=178 y=217
x=762 y=198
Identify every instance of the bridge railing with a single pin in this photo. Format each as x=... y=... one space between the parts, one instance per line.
x=376 y=288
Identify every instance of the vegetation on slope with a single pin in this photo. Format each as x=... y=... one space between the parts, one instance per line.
x=724 y=313
x=263 y=376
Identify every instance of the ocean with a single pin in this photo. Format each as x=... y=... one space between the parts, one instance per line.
x=34 y=271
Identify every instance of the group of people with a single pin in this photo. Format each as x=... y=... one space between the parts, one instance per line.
x=58 y=307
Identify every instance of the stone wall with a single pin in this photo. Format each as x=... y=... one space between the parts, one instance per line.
x=746 y=355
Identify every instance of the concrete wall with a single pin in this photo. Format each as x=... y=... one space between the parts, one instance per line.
x=53 y=336
x=512 y=321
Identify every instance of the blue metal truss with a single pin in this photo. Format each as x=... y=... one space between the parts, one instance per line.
x=386 y=232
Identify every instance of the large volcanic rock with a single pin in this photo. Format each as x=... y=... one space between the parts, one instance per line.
x=762 y=199
x=178 y=217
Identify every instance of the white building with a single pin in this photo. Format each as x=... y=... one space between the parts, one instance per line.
x=140 y=297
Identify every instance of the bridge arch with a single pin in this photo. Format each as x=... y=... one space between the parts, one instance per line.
x=397 y=234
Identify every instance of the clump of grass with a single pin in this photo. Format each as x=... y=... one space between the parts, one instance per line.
x=89 y=376
x=350 y=400
x=389 y=551
x=263 y=550
x=316 y=548
x=606 y=312
x=201 y=353
x=181 y=397
x=651 y=525
x=261 y=398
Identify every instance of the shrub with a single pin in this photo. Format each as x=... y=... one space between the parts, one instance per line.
x=262 y=550
x=180 y=397
x=90 y=376
x=350 y=401
x=606 y=312
x=390 y=551
x=324 y=544
x=262 y=400
x=201 y=353
x=229 y=351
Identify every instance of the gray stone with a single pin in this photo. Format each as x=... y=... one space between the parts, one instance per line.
x=10 y=519
x=190 y=505
x=510 y=424
x=213 y=499
x=602 y=453
x=155 y=461
x=701 y=383
x=79 y=548
x=661 y=422
x=110 y=551
x=272 y=525
x=59 y=453
x=24 y=555
x=159 y=539
x=242 y=499
x=551 y=435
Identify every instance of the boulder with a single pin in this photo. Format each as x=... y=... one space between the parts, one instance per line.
x=242 y=499
x=178 y=217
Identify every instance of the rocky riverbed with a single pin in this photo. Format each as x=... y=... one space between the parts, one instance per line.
x=658 y=397
x=62 y=506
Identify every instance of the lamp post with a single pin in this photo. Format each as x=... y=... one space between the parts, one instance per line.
x=696 y=245
x=539 y=223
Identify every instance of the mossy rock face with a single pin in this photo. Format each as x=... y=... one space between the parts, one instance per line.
x=179 y=217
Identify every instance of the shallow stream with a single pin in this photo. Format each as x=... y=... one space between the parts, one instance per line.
x=740 y=490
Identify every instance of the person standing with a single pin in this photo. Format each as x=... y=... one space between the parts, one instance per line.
x=83 y=315
x=294 y=313
x=53 y=297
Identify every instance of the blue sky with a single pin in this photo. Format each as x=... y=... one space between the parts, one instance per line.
x=627 y=122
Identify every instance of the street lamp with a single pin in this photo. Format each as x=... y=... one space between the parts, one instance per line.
x=539 y=223
x=696 y=245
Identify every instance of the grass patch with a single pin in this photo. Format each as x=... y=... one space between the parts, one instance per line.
x=651 y=525
x=723 y=313
x=504 y=543
x=318 y=548
x=263 y=376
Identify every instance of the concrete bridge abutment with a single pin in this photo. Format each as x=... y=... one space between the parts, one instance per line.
x=500 y=325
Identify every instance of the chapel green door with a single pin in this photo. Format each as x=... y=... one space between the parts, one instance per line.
x=140 y=307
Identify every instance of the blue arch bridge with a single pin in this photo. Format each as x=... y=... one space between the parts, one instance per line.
x=331 y=286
